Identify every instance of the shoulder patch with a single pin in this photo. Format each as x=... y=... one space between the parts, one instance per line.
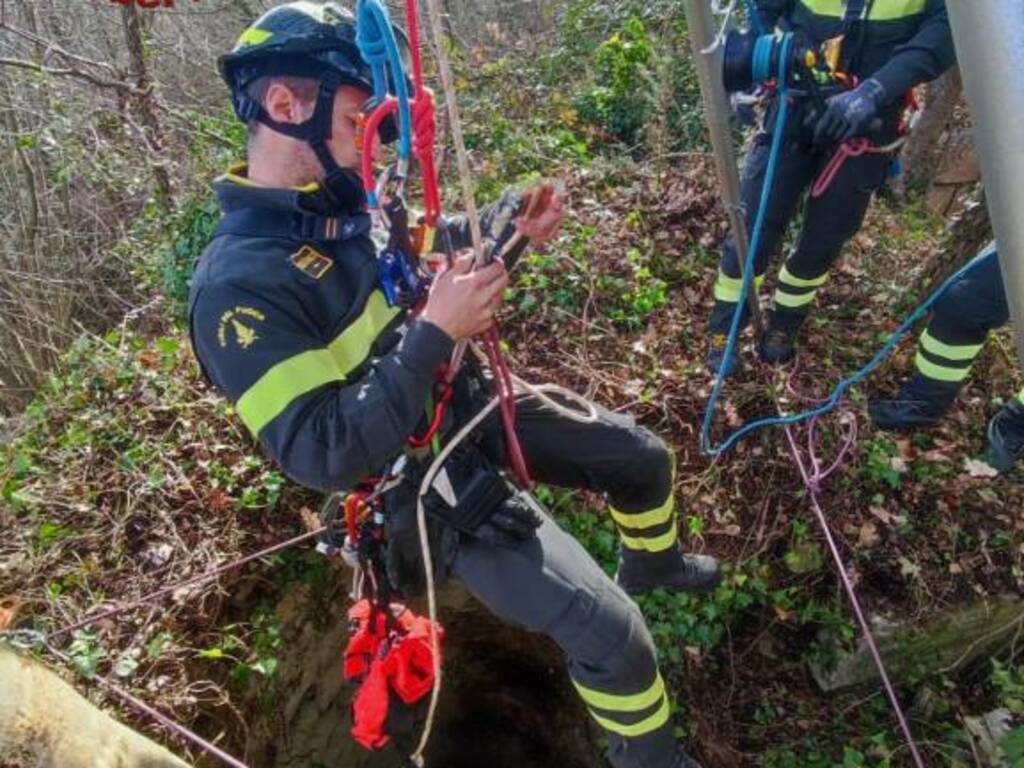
x=236 y=324
x=309 y=260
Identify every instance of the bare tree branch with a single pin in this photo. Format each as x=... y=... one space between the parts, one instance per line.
x=70 y=72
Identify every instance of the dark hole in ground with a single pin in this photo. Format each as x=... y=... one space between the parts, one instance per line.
x=508 y=702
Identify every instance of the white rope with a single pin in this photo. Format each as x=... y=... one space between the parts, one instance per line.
x=588 y=415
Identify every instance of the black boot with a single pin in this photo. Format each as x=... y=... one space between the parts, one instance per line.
x=715 y=356
x=642 y=572
x=1006 y=437
x=718 y=333
x=919 y=403
x=778 y=344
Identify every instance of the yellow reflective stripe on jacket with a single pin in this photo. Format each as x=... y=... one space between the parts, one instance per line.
x=287 y=380
x=1021 y=396
x=890 y=10
x=883 y=10
x=614 y=702
x=295 y=376
x=940 y=372
x=353 y=344
x=656 y=544
x=647 y=519
x=949 y=351
x=647 y=725
x=794 y=300
x=789 y=278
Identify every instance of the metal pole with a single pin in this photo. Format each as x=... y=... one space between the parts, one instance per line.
x=989 y=37
x=716 y=113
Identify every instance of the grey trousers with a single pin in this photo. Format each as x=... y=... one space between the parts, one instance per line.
x=552 y=585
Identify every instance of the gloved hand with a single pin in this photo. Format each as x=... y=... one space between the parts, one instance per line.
x=470 y=496
x=850 y=113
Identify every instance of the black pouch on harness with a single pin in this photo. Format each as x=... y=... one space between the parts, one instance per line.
x=404 y=556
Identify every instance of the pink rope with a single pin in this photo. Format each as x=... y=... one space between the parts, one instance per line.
x=156 y=715
x=813 y=476
x=205 y=576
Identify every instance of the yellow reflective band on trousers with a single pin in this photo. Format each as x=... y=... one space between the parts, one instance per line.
x=648 y=519
x=940 y=372
x=617 y=703
x=794 y=300
x=295 y=376
x=657 y=544
x=787 y=277
x=729 y=288
x=882 y=10
x=613 y=702
x=949 y=351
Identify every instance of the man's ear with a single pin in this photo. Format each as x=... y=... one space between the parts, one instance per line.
x=282 y=105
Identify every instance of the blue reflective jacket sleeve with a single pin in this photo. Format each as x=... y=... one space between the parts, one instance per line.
x=924 y=57
x=332 y=433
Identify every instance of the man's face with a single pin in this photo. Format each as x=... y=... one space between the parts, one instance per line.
x=348 y=103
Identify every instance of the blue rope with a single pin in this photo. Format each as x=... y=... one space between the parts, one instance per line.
x=748 y=275
x=375 y=38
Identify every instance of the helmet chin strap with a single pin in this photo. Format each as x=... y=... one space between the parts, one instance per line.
x=342 y=187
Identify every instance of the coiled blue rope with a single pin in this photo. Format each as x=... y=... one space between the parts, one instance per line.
x=375 y=38
x=748 y=276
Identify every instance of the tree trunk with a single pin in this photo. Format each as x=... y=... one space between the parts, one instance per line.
x=922 y=154
x=45 y=723
x=145 y=104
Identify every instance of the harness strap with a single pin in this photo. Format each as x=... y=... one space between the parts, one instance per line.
x=293 y=225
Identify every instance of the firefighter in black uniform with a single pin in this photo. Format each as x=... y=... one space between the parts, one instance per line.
x=288 y=319
x=890 y=46
x=973 y=306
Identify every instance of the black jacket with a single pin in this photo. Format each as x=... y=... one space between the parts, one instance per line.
x=902 y=43
x=287 y=320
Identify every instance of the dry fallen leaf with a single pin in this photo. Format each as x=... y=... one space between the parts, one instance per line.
x=868 y=536
x=977 y=468
x=881 y=513
x=8 y=612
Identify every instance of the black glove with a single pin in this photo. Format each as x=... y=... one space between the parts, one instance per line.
x=851 y=113
x=472 y=497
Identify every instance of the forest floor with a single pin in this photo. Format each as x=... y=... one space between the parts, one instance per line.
x=127 y=473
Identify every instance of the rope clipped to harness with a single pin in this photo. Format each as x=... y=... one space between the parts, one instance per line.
x=417 y=132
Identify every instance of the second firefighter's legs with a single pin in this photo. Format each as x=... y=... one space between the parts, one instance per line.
x=829 y=222
x=551 y=585
x=791 y=178
x=971 y=307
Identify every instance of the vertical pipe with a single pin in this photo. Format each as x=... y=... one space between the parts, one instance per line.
x=989 y=37
x=716 y=112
